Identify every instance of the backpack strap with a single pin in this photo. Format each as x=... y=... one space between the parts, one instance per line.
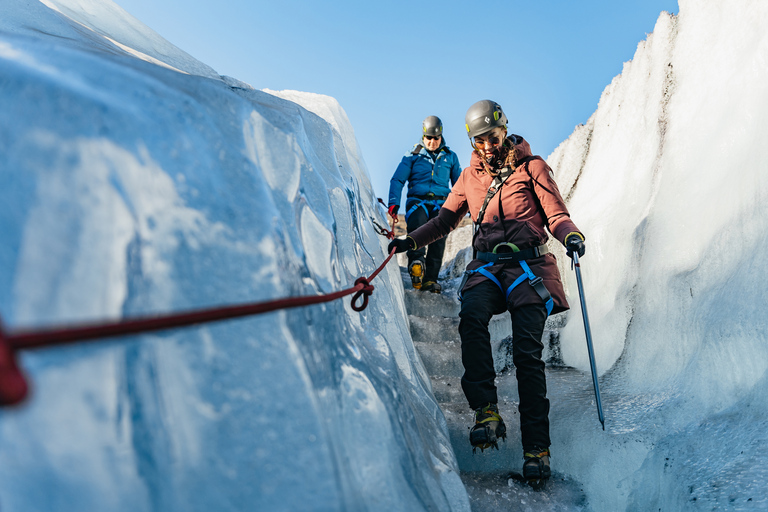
x=498 y=182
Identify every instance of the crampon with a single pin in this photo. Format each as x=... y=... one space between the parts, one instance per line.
x=536 y=469
x=416 y=271
x=488 y=429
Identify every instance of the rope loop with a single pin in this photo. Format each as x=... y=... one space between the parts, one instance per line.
x=365 y=292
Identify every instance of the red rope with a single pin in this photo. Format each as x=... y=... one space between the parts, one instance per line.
x=388 y=234
x=13 y=386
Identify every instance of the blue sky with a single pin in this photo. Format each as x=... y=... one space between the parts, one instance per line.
x=391 y=64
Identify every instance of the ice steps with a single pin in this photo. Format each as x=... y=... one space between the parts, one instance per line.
x=426 y=304
x=434 y=329
x=441 y=359
x=438 y=342
x=447 y=390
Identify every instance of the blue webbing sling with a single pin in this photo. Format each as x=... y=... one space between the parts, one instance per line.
x=536 y=282
x=423 y=204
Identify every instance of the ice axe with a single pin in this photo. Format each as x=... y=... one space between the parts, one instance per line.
x=575 y=264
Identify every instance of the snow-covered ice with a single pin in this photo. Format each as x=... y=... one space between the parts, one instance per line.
x=669 y=181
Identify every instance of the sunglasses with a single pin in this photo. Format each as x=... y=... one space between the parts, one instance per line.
x=429 y=137
x=492 y=141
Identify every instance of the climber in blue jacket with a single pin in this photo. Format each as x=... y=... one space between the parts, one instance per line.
x=427 y=168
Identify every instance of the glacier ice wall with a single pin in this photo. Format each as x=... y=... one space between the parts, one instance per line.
x=136 y=181
x=669 y=182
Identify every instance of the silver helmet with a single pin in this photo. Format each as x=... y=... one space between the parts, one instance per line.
x=432 y=126
x=484 y=116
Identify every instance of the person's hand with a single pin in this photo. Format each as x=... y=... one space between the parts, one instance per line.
x=401 y=244
x=574 y=242
x=393 y=210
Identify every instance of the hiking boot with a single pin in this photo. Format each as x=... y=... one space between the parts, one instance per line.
x=416 y=270
x=431 y=286
x=536 y=468
x=488 y=429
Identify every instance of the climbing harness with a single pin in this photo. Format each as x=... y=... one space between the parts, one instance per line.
x=515 y=255
x=536 y=282
x=429 y=200
x=511 y=253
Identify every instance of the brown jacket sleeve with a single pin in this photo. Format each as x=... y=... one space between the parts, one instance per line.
x=558 y=219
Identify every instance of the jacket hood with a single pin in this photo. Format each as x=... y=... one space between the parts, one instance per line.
x=519 y=143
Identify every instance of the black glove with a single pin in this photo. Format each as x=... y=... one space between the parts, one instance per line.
x=574 y=242
x=401 y=244
x=393 y=210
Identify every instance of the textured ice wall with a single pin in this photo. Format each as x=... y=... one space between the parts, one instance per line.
x=97 y=25
x=669 y=181
x=128 y=189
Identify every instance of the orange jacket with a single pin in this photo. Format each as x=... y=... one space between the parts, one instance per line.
x=528 y=205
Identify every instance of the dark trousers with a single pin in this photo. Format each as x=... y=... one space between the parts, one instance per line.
x=432 y=255
x=480 y=303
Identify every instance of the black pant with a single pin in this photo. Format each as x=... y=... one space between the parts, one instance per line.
x=480 y=303
x=434 y=256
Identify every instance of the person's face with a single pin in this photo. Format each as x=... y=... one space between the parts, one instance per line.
x=490 y=140
x=432 y=143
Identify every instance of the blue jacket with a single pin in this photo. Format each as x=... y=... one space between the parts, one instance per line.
x=425 y=173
